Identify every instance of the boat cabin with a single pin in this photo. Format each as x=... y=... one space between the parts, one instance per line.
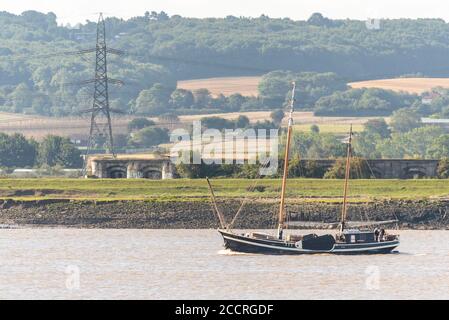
x=358 y=236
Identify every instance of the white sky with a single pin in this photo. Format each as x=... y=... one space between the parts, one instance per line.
x=74 y=11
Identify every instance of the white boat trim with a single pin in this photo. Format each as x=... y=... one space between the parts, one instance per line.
x=366 y=248
x=272 y=247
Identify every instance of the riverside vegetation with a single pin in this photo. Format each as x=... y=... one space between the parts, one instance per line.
x=185 y=203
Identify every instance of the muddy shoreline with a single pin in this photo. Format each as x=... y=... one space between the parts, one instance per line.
x=423 y=214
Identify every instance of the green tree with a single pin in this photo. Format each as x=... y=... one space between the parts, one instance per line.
x=404 y=120
x=242 y=122
x=393 y=148
x=314 y=129
x=235 y=102
x=153 y=101
x=377 y=127
x=216 y=123
x=148 y=137
x=316 y=146
x=439 y=148
x=418 y=141
x=443 y=168
x=139 y=123
x=317 y=19
x=181 y=99
x=59 y=151
x=365 y=144
x=21 y=97
x=277 y=116
x=17 y=151
x=202 y=98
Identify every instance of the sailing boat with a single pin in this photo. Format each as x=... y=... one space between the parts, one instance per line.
x=360 y=239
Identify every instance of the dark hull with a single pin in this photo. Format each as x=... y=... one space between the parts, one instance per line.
x=240 y=243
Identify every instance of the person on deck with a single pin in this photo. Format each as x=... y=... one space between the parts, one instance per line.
x=376 y=234
x=381 y=234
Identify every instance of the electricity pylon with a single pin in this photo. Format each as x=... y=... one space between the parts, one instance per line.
x=100 y=134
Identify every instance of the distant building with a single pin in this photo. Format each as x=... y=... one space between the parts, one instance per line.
x=428 y=97
x=372 y=24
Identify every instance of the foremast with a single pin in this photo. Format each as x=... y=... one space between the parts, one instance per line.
x=286 y=158
x=347 y=174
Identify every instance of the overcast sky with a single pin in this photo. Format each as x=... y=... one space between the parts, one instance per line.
x=74 y=11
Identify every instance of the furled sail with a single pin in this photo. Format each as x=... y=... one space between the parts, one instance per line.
x=330 y=225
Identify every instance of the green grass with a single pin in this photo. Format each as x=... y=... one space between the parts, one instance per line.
x=187 y=190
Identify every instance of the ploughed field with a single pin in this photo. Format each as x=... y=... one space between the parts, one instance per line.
x=267 y=190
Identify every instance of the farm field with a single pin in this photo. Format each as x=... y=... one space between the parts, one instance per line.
x=40 y=126
x=298 y=117
x=246 y=86
x=78 y=127
x=411 y=85
x=197 y=190
x=330 y=128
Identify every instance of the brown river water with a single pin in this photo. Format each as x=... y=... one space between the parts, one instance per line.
x=191 y=264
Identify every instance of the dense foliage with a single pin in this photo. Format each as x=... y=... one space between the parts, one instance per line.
x=275 y=87
x=414 y=141
x=19 y=152
x=363 y=102
x=322 y=55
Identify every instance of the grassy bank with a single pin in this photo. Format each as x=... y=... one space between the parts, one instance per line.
x=196 y=190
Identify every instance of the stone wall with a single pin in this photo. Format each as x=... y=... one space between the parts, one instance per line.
x=159 y=168
x=394 y=168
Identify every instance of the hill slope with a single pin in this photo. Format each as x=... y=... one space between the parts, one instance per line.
x=164 y=49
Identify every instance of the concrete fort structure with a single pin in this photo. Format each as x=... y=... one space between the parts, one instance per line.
x=152 y=166
x=393 y=168
x=147 y=166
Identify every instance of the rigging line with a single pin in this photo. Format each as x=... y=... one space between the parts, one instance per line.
x=251 y=189
x=267 y=161
x=373 y=176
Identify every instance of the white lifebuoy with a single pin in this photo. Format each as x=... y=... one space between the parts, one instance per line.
x=298 y=244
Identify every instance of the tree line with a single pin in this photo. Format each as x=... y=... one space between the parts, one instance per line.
x=16 y=151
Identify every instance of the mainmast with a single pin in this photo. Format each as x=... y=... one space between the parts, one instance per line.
x=348 y=170
x=284 y=177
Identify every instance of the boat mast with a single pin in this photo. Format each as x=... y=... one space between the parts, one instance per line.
x=284 y=177
x=348 y=170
